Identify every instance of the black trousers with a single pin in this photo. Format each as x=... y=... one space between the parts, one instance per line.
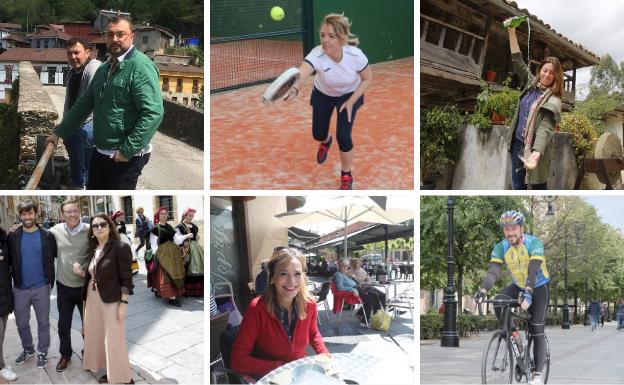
x=537 y=310
x=372 y=298
x=66 y=299
x=106 y=174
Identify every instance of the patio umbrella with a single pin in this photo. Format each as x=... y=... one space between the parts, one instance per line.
x=346 y=210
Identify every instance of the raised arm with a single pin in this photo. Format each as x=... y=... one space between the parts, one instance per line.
x=513 y=41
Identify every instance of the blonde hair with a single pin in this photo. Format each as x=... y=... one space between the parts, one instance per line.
x=341 y=25
x=300 y=302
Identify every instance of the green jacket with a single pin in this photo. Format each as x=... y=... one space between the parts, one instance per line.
x=547 y=118
x=127 y=110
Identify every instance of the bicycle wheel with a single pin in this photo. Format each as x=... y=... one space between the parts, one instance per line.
x=497 y=363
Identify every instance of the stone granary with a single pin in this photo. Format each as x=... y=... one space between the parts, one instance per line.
x=460 y=41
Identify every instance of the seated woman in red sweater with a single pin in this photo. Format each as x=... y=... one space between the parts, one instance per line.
x=279 y=325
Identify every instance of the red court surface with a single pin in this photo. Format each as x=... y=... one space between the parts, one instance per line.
x=258 y=147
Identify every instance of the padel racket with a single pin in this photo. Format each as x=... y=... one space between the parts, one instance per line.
x=281 y=86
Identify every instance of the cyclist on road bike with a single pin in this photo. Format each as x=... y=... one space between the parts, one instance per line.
x=524 y=256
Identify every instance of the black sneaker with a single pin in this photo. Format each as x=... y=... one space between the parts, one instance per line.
x=26 y=354
x=174 y=302
x=42 y=360
x=323 y=150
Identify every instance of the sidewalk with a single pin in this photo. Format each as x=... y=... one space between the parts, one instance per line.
x=165 y=343
x=578 y=356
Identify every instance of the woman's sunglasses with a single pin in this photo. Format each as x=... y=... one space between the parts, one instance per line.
x=101 y=225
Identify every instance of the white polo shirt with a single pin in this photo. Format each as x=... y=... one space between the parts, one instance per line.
x=337 y=79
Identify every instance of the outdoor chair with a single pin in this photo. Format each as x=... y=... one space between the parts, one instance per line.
x=225 y=341
x=348 y=297
x=402 y=271
x=409 y=271
x=217 y=325
x=405 y=300
x=322 y=297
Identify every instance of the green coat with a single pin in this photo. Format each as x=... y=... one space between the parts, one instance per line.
x=547 y=118
x=127 y=110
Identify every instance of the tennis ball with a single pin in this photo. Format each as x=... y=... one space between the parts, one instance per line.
x=277 y=13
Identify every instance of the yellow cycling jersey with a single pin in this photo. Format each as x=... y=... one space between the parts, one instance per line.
x=517 y=259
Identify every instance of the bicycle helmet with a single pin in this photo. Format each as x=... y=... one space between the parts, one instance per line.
x=512 y=217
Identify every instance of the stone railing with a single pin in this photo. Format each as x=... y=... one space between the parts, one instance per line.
x=36 y=115
x=183 y=123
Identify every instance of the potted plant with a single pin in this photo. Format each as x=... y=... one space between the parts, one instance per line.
x=494 y=107
x=439 y=140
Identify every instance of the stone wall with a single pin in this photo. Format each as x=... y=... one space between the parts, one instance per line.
x=485 y=164
x=183 y=123
x=36 y=115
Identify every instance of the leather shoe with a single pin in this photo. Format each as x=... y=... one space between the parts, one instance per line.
x=174 y=302
x=62 y=364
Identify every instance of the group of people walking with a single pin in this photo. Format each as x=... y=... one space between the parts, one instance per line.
x=91 y=265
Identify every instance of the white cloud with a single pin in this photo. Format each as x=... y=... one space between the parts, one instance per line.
x=596 y=25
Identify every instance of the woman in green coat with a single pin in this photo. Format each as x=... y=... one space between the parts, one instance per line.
x=538 y=112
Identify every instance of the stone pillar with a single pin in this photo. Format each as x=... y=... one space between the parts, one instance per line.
x=36 y=114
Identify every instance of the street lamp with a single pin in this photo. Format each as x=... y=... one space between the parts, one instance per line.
x=449 y=337
x=577 y=228
x=550 y=199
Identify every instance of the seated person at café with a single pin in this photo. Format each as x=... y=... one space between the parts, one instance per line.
x=357 y=272
x=279 y=325
x=371 y=298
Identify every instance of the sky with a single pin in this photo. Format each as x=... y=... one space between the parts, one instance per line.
x=595 y=24
x=610 y=209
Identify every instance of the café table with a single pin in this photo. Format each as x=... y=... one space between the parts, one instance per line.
x=362 y=368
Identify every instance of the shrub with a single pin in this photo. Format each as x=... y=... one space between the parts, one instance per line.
x=439 y=138
x=431 y=326
x=583 y=131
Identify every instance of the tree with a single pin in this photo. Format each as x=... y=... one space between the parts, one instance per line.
x=607 y=76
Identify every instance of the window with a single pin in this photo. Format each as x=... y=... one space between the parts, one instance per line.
x=38 y=43
x=165 y=86
x=185 y=101
x=145 y=40
x=45 y=44
x=126 y=203
x=167 y=201
x=195 y=86
x=51 y=75
x=179 y=86
x=9 y=73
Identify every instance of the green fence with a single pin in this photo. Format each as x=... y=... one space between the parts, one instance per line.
x=248 y=47
x=385 y=28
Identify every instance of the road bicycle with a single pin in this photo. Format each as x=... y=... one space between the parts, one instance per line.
x=502 y=351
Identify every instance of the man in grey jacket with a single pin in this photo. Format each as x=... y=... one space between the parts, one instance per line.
x=80 y=145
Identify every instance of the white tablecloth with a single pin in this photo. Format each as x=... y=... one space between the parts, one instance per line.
x=363 y=368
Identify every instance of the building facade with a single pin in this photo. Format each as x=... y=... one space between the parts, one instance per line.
x=181 y=83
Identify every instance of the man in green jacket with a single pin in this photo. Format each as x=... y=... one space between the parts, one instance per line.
x=127 y=107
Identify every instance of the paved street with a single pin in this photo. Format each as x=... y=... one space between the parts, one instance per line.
x=165 y=343
x=578 y=356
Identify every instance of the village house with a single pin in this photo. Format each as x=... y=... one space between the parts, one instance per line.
x=180 y=82
x=460 y=41
x=153 y=39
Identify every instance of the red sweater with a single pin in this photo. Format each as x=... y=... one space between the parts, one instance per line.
x=262 y=344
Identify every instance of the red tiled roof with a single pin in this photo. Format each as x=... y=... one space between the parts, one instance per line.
x=15 y=37
x=172 y=67
x=10 y=26
x=40 y=55
x=52 y=33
